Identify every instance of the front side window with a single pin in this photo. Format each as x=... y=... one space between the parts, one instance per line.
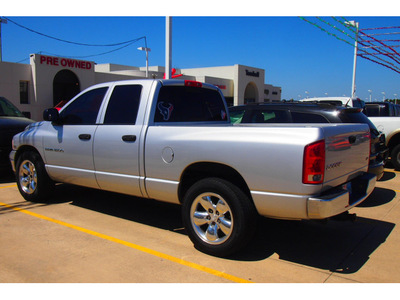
x=84 y=109
x=123 y=105
x=189 y=104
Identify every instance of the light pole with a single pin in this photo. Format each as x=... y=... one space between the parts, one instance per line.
x=1 y=52
x=147 y=58
x=353 y=86
x=168 y=47
x=384 y=96
x=370 y=93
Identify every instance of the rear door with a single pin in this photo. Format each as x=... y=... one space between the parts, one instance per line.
x=117 y=139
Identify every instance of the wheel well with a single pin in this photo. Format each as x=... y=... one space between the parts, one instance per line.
x=198 y=171
x=22 y=150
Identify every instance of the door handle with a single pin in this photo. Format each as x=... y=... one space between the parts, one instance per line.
x=85 y=137
x=129 y=138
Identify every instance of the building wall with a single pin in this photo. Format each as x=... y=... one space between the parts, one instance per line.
x=272 y=93
x=249 y=79
x=45 y=68
x=240 y=77
x=10 y=76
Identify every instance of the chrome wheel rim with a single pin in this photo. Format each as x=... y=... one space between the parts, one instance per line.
x=211 y=218
x=27 y=177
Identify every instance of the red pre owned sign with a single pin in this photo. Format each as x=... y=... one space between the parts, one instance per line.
x=65 y=62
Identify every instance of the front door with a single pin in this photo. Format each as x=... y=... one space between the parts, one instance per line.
x=69 y=146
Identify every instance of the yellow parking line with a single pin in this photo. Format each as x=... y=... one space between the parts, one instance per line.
x=8 y=186
x=134 y=246
x=391 y=170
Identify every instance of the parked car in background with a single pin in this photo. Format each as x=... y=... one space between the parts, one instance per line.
x=382 y=109
x=314 y=113
x=386 y=118
x=12 y=121
x=343 y=101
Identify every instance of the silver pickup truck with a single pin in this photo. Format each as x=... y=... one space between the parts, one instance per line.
x=171 y=140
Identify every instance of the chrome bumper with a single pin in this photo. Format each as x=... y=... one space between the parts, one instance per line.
x=341 y=199
x=11 y=156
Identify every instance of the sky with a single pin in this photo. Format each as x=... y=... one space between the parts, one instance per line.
x=298 y=57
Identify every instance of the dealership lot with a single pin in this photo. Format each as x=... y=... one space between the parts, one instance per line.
x=90 y=236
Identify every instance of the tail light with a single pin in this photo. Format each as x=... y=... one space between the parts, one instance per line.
x=314 y=163
x=193 y=83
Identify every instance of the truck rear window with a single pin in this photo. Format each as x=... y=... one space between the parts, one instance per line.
x=189 y=104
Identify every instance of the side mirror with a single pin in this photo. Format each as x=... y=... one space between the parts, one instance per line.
x=52 y=115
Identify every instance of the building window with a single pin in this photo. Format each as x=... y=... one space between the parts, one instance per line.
x=24 y=92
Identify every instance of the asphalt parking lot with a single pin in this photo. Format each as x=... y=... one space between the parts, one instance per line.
x=90 y=236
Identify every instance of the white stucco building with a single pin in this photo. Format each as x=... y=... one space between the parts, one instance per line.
x=47 y=80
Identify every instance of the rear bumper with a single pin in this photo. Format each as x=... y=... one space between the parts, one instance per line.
x=331 y=203
x=342 y=198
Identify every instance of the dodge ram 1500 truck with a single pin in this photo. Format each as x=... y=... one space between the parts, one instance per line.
x=171 y=140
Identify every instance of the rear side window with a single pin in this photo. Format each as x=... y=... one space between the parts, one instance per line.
x=123 y=105
x=270 y=116
x=84 y=109
x=189 y=104
x=308 y=118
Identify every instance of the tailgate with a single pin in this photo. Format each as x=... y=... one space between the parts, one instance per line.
x=347 y=148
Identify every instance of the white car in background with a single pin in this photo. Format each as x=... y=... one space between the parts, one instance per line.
x=342 y=101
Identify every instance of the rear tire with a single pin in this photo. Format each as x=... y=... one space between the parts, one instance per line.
x=219 y=218
x=33 y=182
x=395 y=157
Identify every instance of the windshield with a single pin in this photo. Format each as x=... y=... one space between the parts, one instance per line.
x=7 y=109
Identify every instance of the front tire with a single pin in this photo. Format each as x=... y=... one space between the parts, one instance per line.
x=219 y=218
x=33 y=182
